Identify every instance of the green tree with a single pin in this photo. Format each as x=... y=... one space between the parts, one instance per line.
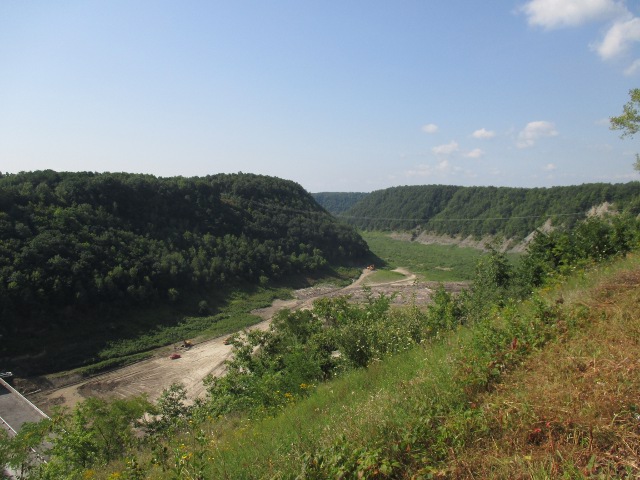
x=629 y=121
x=171 y=413
x=491 y=284
x=19 y=452
x=94 y=433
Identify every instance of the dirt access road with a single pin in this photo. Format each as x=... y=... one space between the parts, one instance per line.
x=152 y=376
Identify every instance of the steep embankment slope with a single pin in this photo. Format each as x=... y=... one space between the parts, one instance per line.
x=570 y=410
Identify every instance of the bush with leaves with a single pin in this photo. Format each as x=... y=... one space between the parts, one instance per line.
x=94 y=433
x=491 y=286
x=271 y=369
x=560 y=251
x=171 y=412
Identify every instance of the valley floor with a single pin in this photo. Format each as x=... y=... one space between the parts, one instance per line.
x=152 y=376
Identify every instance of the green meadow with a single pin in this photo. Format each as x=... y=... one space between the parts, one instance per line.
x=440 y=263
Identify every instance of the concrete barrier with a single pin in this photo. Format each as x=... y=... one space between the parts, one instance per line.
x=15 y=409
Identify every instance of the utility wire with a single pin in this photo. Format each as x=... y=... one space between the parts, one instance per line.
x=476 y=219
x=396 y=219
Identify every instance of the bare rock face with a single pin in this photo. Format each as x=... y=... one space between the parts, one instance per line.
x=601 y=210
x=426 y=238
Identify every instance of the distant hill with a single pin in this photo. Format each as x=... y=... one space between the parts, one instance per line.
x=478 y=211
x=76 y=247
x=338 y=202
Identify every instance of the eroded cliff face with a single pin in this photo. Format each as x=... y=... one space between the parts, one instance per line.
x=499 y=243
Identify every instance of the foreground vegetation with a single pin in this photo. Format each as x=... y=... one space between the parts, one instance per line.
x=349 y=391
x=77 y=250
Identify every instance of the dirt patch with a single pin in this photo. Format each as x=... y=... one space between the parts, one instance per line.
x=153 y=375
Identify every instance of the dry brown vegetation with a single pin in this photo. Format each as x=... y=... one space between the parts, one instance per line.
x=573 y=409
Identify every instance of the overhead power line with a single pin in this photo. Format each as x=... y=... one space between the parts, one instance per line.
x=398 y=219
x=476 y=219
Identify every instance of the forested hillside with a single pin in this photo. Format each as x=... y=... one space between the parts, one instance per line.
x=80 y=247
x=338 y=202
x=512 y=212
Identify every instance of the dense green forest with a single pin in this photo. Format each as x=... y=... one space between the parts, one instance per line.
x=478 y=211
x=338 y=202
x=81 y=247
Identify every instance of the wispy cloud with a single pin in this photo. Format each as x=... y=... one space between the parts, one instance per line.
x=619 y=38
x=533 y=132
x=476 y=153
x=633 y=68
x=483 y=133
x=550 y=167
x=439 y=169
x=446 y=149
x=430 y=128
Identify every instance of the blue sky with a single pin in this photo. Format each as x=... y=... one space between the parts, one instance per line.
x=335 y=95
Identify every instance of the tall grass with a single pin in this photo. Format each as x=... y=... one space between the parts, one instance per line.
x=571 y=411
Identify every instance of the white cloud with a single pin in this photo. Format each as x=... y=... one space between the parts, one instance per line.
x=570 y=13
x=430 y=128
x=534 y=131
x=443 y=166
x=632 y=69
x=446 y=149
x=619 y=37
x=483 y=133
x=476 y=153
x=443 y=169
x=550 y=167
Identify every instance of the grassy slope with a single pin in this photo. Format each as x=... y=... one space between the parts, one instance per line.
x=562 y=401
x=572 y=409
